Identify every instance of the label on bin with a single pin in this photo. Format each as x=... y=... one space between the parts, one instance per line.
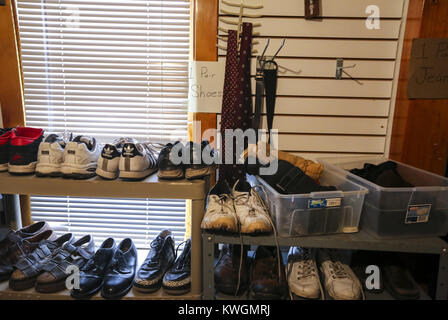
x=418 y=213
x=324 y=203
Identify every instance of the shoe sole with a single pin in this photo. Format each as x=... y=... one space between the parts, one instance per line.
x=79 y=172
x=189 y=173
x=21 y=285
x=48 y=170
x=136 y=175
x=148 y=289
x=51 y=287
x=165 y=175
x=398 y=296
x=109 y=175
x=22 y=169
x=175 y=292
x=265 y=296
x=118 y=295
x=3 y=167
x=87 y=295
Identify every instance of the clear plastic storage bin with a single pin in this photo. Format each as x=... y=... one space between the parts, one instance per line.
x=399 y=212
x=316 y=212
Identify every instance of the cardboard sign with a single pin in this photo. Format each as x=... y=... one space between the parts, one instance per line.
x=428 y=69
x=205 y=86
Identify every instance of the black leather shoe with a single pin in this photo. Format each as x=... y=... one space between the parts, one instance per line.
x=399 y=282
x=177 y=279
x=91 y=275
x=120 y=274
x=159 y=260
x=169 y=168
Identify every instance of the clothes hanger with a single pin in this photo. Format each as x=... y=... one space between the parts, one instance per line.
x=242 y=5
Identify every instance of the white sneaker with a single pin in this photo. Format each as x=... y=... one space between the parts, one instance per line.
x=138 y=160
x=220 y=213
x=252 y=213
x=80 y=158
x=50 y=155
x=110 y=157
x=340 y=281
x=302 y=273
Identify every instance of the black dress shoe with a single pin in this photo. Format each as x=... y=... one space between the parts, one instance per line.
x=167 y=162
x=177 y=279
x=399 y=282
x=120 y=274
x=160 y=258
x=91 y=275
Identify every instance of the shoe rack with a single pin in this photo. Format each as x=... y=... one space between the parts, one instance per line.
x=151 y=187
x=354 y=241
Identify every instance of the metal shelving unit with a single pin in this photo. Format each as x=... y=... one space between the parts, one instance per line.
x=355 y=241
x=151 y=187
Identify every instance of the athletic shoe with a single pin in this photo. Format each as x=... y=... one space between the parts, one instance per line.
x=177 y=279
x=110 y=158
x=50 y=155
x=252 y=213
x=167 y=168
x=5 y=137
x=340 y=281
x=302 y=273
x=220 y=212
x=138 y=160
x=23 y=148
x=198 y=167
x=80 y=158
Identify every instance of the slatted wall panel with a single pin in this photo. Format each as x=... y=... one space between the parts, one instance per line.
x=317 y=115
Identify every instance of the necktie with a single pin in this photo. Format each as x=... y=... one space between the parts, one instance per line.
x=236 y=109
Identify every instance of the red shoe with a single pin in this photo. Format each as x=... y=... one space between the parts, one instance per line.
x=5 y=137
x=23 y=149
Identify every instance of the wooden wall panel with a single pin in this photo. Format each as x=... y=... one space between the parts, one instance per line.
x=425 y=143
x=11 y=100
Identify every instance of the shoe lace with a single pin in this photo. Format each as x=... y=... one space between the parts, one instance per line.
x=184 y=259
x=118 y=263
x=154 y=253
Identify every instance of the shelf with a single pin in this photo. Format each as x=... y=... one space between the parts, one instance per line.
x=385 y=295
x=151 y=187
x=31 y=294
x=355 y=241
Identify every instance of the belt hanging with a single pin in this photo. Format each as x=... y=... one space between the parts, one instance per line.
x=270 y=75
x=259 y=99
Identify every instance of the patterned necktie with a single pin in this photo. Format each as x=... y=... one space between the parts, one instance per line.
x=236 y=109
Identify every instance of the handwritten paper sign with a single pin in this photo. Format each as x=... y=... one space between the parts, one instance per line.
x=428 y=69
x=205 y=86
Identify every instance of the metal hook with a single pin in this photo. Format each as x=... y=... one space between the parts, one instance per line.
x=261 y=58
x=281 y=46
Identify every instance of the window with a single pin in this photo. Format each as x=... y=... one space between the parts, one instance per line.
x=107 y=69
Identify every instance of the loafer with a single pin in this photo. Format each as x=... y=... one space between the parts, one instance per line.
x=120 y=274
x=91 y=275
x=160 y=258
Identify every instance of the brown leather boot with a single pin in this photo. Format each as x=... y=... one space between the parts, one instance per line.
x=265 y=283
x=227 y=268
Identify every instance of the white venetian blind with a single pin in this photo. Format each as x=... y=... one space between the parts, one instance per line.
x=108 y=69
